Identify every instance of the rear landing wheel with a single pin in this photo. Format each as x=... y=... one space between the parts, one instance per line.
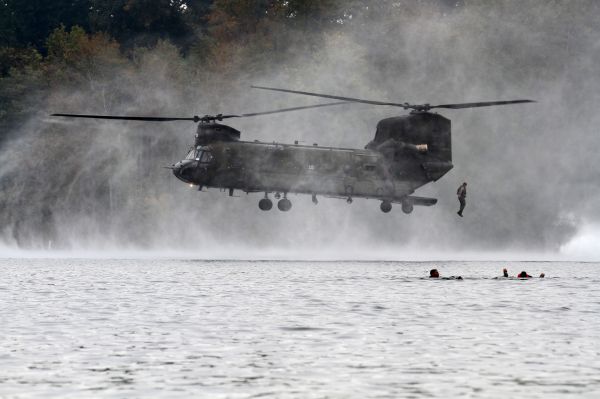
x=284 y=205
x=385 y=206
x=407 y=207
x=265 y=204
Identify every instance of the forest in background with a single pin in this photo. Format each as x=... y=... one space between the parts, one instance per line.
x=44 y=44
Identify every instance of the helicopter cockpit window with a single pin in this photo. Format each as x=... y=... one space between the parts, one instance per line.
x=203 y=155
x=190 y=154
x=206 y=157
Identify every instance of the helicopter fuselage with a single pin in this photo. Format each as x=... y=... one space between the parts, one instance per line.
x=284 y=168
x=389 y=169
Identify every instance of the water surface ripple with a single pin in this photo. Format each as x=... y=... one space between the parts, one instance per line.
x=235 y=329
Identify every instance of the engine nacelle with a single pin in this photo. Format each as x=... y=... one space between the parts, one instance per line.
x=428 y=134
x=211 y=132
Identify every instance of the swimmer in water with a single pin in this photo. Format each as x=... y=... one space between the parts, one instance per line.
x=504 y=272
x=433 y=273
x=542 y=275
x=523 y=274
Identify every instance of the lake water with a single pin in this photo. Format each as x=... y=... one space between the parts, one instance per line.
x=77 y=328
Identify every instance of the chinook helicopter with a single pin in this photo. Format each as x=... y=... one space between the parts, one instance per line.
x=406 y=153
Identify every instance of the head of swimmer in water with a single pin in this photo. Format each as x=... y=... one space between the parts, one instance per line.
x=542 y=275
x=433 y=273
x=505 y=272
x=524 y=274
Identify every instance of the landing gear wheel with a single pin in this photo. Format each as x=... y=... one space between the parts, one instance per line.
x=385 y=206
x=284 y=205
x=265 y=204
x=407 y=207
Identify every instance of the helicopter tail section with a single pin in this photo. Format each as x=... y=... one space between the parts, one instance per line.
x=421 y=141
x=436 y=169
x=430 y=134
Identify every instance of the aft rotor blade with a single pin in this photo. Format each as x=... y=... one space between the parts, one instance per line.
x=480 y=104
x=350 y=99
x=128 y=118
x=416 y=107
x=287 y=109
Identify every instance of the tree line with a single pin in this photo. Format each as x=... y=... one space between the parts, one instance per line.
x=48 y=44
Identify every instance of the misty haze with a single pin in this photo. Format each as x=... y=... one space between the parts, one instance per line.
x=87 y=184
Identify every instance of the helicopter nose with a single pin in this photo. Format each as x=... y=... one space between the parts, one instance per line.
x=184 y=170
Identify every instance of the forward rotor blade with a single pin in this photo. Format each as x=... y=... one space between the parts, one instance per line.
x=351 y=99
x=206 y=118
x=128 y=118
x=288 y=109
x=480 y=104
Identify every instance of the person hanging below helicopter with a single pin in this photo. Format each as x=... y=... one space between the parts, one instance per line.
x=462 y=194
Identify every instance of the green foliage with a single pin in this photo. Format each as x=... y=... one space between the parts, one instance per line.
x=66 y=46
x=26 y=76
x=28 y=23
x=142 y=22
x=242 y=35
x=74 y=58
x=11 y=57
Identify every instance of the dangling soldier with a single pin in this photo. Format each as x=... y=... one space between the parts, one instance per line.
x=462 y=194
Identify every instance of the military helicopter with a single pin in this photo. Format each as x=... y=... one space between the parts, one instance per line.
x=406 y=153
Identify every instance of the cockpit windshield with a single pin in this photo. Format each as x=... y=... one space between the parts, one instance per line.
x=200 y=154
x=205 y=157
